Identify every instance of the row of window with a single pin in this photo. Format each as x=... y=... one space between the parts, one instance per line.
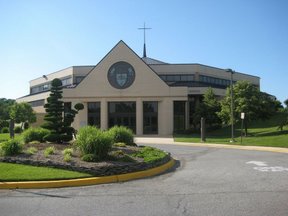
x=177 y=78
x=213 y=80
x=45 y=87
x=37 y=103
x=124 y=113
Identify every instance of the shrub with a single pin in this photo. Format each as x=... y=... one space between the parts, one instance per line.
x=18 y=129
x=4 y=123
x=67 y=151
x=150 y=154
x=5 y=130
x=119 y=155
x=52 y=137
x=122 y=134
x=31 y=150
x=91 y=140
x=34 y=134
x=49 y=151
x=11 y=147
x=67 y=158
x=26 y=125
x=120 y=144
x=90 y=158
x=66 y=137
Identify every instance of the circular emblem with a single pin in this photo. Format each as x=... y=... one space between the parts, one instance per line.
x=121 y=75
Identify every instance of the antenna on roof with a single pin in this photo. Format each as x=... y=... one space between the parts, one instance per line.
x=144 y=31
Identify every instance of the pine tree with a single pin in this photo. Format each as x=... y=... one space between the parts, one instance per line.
x=54 y=109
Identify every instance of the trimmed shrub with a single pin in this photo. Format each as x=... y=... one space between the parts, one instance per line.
x=34 y=134
x=18 y=129
x=91 y=140
x=122 y=134
x=66 y=137
x=67 y=151
x=67 y=158
x=26 y=125
x=5 y=130
x=150 y=154
x=90 y=158
x=11 y=147
x=31 y=150
x=49 y=151
x=4 y=123
x=52 y=137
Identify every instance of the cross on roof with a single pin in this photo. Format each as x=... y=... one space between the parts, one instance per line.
x=144 y=31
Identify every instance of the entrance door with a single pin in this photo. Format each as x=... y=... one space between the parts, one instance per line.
x=122 y=113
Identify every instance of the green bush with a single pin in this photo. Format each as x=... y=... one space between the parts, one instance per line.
x=119 y=155
x=120 y=144
x=34 y=134
x=122 y=134
x=11 y=147
x=91 y=140
x=66 y=137
x=52 y=137
x=18 y=129
x=150 y=154
x=5 y=130
x=67 y=158
x=4 y=123
x=26 y=125
x=49 y=151
x=90 y=158
x=31 y=150
x=67 y=151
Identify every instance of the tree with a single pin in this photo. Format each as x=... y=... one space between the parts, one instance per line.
x=54 y=109
x=208 y=109
x=60 y=128
x=5 y=105
x=22 y=112
x=247 y=99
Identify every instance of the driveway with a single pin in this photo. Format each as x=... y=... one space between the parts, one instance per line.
x=206 y=181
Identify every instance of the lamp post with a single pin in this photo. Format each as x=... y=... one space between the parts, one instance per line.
x=232 y=104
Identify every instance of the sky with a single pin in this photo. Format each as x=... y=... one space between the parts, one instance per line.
x=41 y=37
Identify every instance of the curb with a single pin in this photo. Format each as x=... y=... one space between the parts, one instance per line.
x=88 y=181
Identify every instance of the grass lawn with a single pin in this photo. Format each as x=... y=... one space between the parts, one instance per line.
x=4 y=136
x=18 y=172
x=260 y=133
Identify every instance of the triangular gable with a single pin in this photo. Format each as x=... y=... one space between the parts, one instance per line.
x=146 y=83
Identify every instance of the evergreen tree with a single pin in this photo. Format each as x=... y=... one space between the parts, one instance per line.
x=54 y=109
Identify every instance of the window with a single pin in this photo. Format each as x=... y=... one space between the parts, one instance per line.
x=150 y=117
x=66 y=81
x=177 y=78
x=94 y=114
x=122 y=113
x=78 y=79
x=37 y=103
x=213 y=80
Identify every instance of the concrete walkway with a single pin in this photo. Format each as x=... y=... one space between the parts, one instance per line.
x=169 y=140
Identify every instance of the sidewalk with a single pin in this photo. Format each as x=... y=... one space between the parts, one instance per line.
x=169 y=140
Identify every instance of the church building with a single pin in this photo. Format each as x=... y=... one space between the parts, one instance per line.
x=144 y=94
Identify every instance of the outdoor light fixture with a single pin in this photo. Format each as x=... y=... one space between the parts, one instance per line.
x=45 y=77
x=232 y=104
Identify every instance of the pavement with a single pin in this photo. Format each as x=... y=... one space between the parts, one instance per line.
x=205 y=181
x=169 y=140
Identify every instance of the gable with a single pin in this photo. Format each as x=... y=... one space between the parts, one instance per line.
x=146 y=82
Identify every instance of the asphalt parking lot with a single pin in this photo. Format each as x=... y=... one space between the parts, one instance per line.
x=205 y=181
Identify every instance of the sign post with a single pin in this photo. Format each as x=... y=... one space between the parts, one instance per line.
x=242 y=120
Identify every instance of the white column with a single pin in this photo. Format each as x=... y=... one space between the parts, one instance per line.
x=139 y=116
x=104 y=114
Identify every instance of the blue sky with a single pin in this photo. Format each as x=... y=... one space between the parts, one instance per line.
x=41 y=37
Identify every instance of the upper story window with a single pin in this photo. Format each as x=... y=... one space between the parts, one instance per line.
x=37 y=103
x=177 y=78
x=78 y=79
x=213 y=80
x=47 y=86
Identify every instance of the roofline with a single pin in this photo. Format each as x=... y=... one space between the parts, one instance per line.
x=64 y=69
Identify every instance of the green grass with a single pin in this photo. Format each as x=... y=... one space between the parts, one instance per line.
x=4 y=137
x=18 y=172
x=260 y=133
